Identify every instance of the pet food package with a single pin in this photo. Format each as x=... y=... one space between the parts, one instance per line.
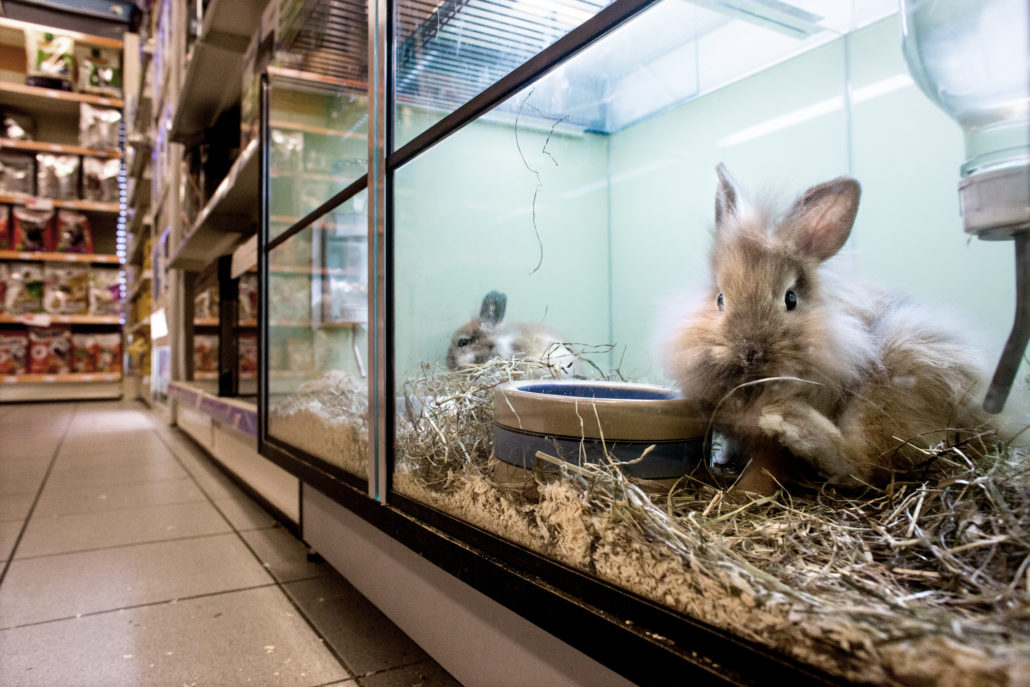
x=17 y=172
x=3 y=287
x=205 y=353
x=66 y=289
x=248 y=297
x=33 y=229
x=248 y=353
x=50 y=59
x=24 y=292
x=17 y=126
x=57 y=176
x=14 y=350
x=96 y=352
x=100 y=179
x=99 y=127
x=105 y=292
x=205 y=304
x=50 y=350
x=6 y=235
x=99 y=70
x=73 y=233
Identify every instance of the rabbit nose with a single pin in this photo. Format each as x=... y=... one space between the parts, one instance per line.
x=752 y=353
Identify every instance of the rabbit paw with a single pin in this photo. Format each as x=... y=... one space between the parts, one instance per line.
x=809 y=435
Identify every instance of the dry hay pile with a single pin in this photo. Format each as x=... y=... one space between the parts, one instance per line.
x=328 y=418
x=926 y=582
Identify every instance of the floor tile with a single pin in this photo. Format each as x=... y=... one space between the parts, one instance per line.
x=285 y=556
x=16 y=506
x=248 y=637
x=51 y=534
x=8 y=536
x=114 y=469
x=423 y=674
x=21 y=476
x=359 y=632
x=62 y=586
x=91 y=498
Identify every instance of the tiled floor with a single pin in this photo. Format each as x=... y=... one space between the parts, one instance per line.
x=127 y=558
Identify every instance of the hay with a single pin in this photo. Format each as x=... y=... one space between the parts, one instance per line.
x=925 y=582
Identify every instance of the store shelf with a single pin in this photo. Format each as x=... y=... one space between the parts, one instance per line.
x=134 y=256
x=144 y=280
x=314 y=325
x=45 y=320
x=48 y=203
x=137 y=327
x=214 y=72
x=12 y=32
x=59 y=148
x=74 y=377
x=91 y=258
x=49 y=99
x=213 y=322
x=228 y=218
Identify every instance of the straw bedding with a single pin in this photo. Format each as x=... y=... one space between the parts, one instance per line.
x=925 y=582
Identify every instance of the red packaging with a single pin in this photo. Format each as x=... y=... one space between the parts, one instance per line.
x=6 y=240
x=33 y=229
x=50 y=350
x=205 y=353
x=14 y=347
x=73 y=233
x=248 y=353
x=96 y=352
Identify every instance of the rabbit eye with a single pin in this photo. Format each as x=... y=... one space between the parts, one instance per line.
x=721 y=302
x=791 y=299
x=464 y=341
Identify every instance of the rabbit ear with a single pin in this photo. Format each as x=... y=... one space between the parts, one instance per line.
x=492 y=310
x=821 y=220
x=726 y=197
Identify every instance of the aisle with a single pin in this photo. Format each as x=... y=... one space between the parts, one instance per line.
x=127 y=558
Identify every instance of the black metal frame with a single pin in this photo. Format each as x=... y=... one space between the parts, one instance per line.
x=633 y=636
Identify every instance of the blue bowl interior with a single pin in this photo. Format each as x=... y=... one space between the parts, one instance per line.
x=597 y=391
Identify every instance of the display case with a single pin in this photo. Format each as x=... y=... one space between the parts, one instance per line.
x=533 y=234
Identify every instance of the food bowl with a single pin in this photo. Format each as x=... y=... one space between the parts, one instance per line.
x=577 y=421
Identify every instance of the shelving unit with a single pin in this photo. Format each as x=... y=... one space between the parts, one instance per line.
x=55 y=130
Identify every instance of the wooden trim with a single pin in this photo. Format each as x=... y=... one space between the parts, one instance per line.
x=79 y=37
x=60 y=148
x=77 y=377
x=54 y=94
x=93 y=258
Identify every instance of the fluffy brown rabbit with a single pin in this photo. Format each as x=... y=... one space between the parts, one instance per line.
x=811 y=374
x=488 y=336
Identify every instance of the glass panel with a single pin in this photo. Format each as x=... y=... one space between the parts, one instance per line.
x=317 y=338
x=318 y=145
x=449 y=51
x=567 y=233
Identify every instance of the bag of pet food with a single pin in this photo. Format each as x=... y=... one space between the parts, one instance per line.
x=14 y=347
x=248 y=353
x=33 y=229
x=57 y=176
x=100 y=179
x=105 y=292
x=100 y=70
x=24 y=293
x=73 y=232
x=205 y=353
x=50 y=350
x=95 y=352
x=50 y=59
x=17 y=126
x=6 y=240
x=17 y=172
x=99 y=127
x=66 y=289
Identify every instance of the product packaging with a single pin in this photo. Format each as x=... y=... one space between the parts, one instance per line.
x=14 y=348
x=73 y=232
x=33 y=229
x=100 y=70
x=24 y=292
x=248 y=353
x=105 y=292
x=66 y=289
x=17 y=172
x=6 y=236
x=100 y=179
x=17 y=126
x=99 y=127
x=205 y=353
x=57 y=176
x=50 y=350
x=96 y=352
x=248 y=297
x=50 y=59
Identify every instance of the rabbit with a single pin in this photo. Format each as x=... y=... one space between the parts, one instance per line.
x=812 y=375
x=488 y=336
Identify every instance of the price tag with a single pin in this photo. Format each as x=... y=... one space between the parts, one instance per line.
x=39 y=203
x=36 y=320
x=49 y=378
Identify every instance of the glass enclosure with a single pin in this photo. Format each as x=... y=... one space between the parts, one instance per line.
x=548 y=234
x=317 y=268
